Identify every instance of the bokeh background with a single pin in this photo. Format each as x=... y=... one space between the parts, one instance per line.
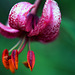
x=55 y=58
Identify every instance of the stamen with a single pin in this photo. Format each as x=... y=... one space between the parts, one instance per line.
x=15 y=46
x=21 y=44
x=23 y=47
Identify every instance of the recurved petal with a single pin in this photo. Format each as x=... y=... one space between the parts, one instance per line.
x=50 y=32
x=9 y=32
x=14 y=58
x=5 y=59
x=45 y=18
x=18 y=14
x=31 y=59
x=49 y=23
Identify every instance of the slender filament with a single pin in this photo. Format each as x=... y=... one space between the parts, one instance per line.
x=22 y=47
x=15 y=46
x=21 y=44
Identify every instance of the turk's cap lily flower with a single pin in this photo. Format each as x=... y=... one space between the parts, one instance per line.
x=23 y=23
x=10 y=62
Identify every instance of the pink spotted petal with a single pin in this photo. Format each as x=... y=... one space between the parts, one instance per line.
x=8 y=31
x=45 y=18
x=31 y=59
x=49 y=23
x=18 y=14
x=51 y=31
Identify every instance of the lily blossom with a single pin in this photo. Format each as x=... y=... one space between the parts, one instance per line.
x=27 y=26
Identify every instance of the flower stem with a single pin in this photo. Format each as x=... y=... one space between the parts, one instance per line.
x=22 y=47
x=37 y=3
x=15 y=46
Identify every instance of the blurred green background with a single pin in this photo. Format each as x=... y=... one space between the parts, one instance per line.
x=55 y=58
